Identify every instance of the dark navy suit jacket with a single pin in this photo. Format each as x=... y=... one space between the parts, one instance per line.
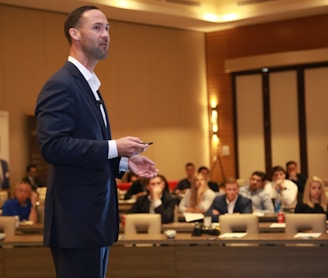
x=81 y=208
x=243 y=205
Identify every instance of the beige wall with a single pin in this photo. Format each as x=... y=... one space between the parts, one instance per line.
x=153 y=83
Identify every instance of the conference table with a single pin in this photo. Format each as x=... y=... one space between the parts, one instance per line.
x=144 y=255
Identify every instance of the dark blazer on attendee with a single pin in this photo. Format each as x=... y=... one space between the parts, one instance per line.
x=166 y=209
x=243 y=205
x=81 y=203
x=5 y=172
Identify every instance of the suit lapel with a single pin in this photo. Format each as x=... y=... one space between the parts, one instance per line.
x=86 y=90
x=107 y=120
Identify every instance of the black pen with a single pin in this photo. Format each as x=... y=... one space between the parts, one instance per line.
x=149 y=143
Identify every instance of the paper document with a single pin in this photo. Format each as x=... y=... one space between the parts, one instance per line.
x=191 y=216
x=232 y=235
x=307 y=235
x=278 y=225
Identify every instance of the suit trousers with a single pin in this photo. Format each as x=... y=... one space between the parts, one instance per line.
x=80 y=262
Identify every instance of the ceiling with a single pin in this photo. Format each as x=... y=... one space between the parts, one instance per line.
x=197 y=15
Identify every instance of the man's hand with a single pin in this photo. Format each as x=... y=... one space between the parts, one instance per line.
x=142 y=166
x=34 y=198
x=215 y=212
x=129 y=146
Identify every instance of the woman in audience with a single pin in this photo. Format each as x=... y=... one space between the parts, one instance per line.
x=314 y=198
x=199 y=197
x=23 y=203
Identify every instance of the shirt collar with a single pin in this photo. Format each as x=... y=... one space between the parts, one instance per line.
x=232 y=202
x=90 y=77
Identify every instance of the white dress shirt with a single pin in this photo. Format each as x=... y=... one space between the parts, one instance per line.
x=94 y=84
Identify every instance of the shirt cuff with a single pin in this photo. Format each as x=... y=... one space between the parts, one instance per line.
x=112 y=149
x=123 y=167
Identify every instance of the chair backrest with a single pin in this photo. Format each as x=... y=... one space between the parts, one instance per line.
x=152 y=223
x=40 y=212
x=3 y=197
x=230 y=223
x=314 y=222
x=8 y=225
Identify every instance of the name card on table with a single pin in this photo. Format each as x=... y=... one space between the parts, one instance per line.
x=232 y=235
x=193 y=216
x=307 y=235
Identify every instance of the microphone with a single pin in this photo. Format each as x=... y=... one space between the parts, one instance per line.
x=99 y=102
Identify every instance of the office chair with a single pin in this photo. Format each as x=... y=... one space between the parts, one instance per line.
x=152 y=223
x=298 y=222
x=230 y=223
x=8 y=225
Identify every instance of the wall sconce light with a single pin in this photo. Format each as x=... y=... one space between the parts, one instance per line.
x=215 y=123
x=215 y=120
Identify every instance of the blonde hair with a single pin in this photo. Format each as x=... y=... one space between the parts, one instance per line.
x=15 y=187
x=195 y=198
x=307 y=197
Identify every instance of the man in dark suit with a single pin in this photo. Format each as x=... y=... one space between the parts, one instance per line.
x=296 y=177
x=81 y=207
x=4 y=174
x=230 y=202
x=157 y=200
x=32 y=177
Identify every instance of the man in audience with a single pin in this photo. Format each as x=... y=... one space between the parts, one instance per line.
x=23 y=203
x=296 y=177
x=157 y=200
x=255 y=191
x=281 y=190
x=230 y=202
x=4 y=174
x=32 y=177
x=206 y=173
x=185 y=183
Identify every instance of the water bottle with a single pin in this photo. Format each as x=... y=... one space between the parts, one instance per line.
x=277 y=203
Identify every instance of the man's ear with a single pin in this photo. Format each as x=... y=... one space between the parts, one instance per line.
x=75 y=34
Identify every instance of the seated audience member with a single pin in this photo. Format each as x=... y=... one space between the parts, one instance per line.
x=4 y=174
x=261 y=200
x=314 y=197
x=32 y=177
x=230 y=202
x=137 y=188
x=185 y=183
x=130 y=177
x=23 y=203
x=206 y=173
x=281 y=190
x=158 y=200
x=299 y=179
x=198 y=198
